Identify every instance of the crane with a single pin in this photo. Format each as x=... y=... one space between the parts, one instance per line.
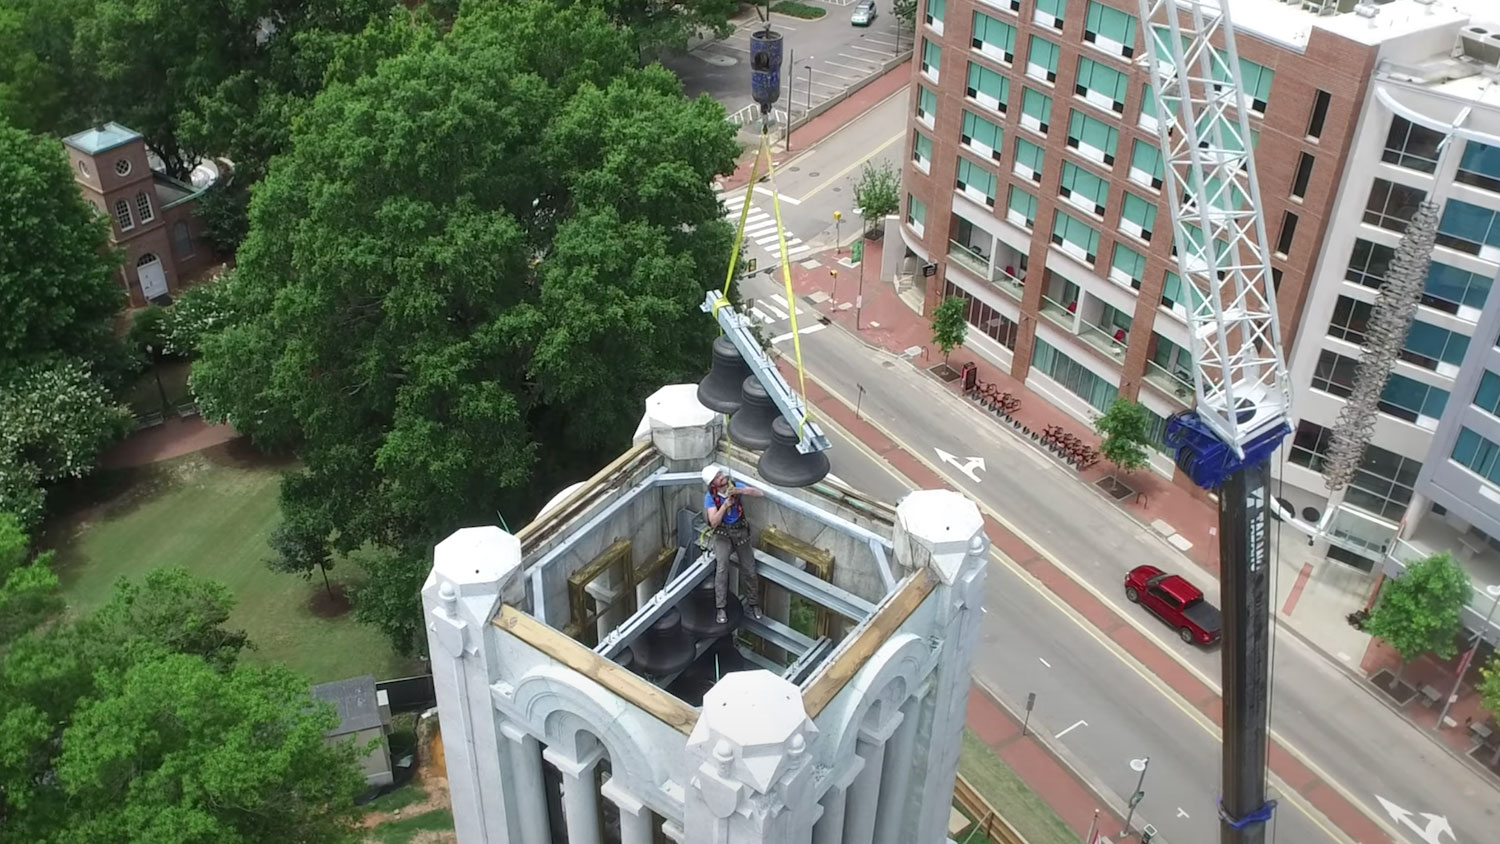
x=1239 y=376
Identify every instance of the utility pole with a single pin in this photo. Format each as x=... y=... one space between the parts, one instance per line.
x=1139 y=766
x=1463 y=665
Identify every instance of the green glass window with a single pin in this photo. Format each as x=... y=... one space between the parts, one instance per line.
x=1076 y=237
x=932 y=57
x=1174 y=294
x=1487 y=397
x=1073 y=376
x=1041 y=59
x=1138 y=216
x=1480 y=166
x=1094 y=138
x=1430 y=346
x=1146 y=165
x=1159 y=36
x=1021 y=207
x=926 y=104
x=1028 y=160
x=916 y=212
x=1255 y=79
x=988 y=87
x=1036 y=110
x=1409 y=399
x=1109 y=29
x=1127 y=266
x=1101 y=85
x=994 y=37
x=1478 y=455
x=973 y=177
x=1083 y=188
x=935 y=10
x=921 y=150
x=1050 y=13
x=983 y=136
x=1148 y=117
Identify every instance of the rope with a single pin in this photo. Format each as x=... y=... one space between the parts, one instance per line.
x=791 y=297
x=734 y=257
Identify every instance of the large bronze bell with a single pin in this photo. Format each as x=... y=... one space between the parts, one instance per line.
x=750 y=426
x=783 y=465
x=720 y=391
x=664 y=648
x=720 y=659
x=700 y=616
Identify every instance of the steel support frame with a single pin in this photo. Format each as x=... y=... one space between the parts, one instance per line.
x=656 y=607
x=795 y=672
x=814 y=589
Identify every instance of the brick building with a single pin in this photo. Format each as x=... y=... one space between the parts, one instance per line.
x=151 y=214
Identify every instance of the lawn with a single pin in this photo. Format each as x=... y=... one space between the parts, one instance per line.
x=211 y=512
x=1009 y=794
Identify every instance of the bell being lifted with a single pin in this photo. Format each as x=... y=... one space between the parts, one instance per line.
x=765 y=67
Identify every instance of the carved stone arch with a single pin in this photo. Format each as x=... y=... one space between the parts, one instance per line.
x=895 y=667
x=557 y=702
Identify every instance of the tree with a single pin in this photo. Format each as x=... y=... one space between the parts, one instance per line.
x=905 y=11
x=384 y=596
x=877 y=193
x=466 y=273
x=949 y=327
x=1419 y=612
x=302 y=550
x=28 y=587
x=1125 y=435
x=197 y=312
x=1489 y=685
x=659 y=25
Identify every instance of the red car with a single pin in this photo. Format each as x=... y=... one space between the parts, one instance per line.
x=1177 y=602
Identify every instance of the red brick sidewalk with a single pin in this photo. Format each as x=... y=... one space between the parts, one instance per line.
x=172 y=438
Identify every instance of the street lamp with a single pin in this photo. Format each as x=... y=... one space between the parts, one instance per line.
x=1139 y=766
x=1463 y=664
x=155 y=371
x=838 y=244
x=809 y=88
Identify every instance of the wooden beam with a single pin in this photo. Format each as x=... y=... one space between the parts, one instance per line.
x=566 y=510
x=668 y=709
x=836 y=674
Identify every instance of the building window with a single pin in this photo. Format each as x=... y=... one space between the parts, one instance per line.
x=1288 y=233
x=83 y=168
x=1146 y=165
x=1478 y=455
x=1095 y=139
x=1411 y=146
x=1173 y=361
x=182 y=240
x=1487 y=397
x=1351 y=319
x=1036 y=110
x=1075 y=237
x=1383 y=483
x=1334 y=374
x=1127 y=266
x=1319 y=114
x=1101 y=85
x=1021 y=208
x=1455 y=291
x=934 y=16
x=1083 y=189
x=1255 y=81
x=1480 y=166
x=122 y=215
x=122 y=167
x=1437 y=349
x=1409 y=399
x=921 y=151
x=1073 y=376
x=1175 y=294
x=1276 y=279
x=1109 y=29
x=1028 y=163
x=982 y=136
x=932 y=57
x=1137 y=217
x=994 y=38
x=989 y=321
x=1309 y=443
x=1302 y=176
x=916 y=214
x=1470 y=228
x=976 y=182
x=987 y=87
x=927 y=103
x=1391 y=205
x=1050 y=13
x=1148 y=118
x=1369 y=263
x=1041 y=59
x=143 y=207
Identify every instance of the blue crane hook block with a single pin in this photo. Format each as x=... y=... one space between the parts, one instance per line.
x=765 y=67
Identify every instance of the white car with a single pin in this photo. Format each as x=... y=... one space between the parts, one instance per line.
x=864 y=13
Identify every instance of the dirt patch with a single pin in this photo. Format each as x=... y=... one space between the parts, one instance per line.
x=1401 y=693
x=239 y=453
x=944 y=372
x=432 y=777
x=328 y=602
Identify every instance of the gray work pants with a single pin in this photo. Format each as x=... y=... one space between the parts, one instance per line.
x=736 y=538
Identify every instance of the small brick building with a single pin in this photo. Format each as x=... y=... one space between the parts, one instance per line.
x=151 y=214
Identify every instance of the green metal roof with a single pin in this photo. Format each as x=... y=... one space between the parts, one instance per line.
x=99 y=139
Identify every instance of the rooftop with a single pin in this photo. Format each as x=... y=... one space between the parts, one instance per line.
x=355 y=700
x=101 y=138
x=1291 y=22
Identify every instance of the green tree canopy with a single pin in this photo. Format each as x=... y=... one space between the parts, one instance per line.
x=949 y=327
x=877 y=193
x=1489 y=686
x=466 y=274
x=1125 y=434
x=1420 y=611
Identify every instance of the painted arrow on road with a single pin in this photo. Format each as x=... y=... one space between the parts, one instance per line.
x=1437 y=825
x=970 y=466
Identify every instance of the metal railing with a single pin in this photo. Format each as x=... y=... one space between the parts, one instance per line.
x=748 y=115
x=1102 y=340
x=1057 y=313
x=979 y=265
x=1169 y=383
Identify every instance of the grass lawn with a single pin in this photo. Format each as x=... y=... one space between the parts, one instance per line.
x=211 y=512
x=1009 y=794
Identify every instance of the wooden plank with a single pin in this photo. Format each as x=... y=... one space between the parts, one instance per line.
x=666 y=708
x=886 y=621
x=566 y=509
x=996 y=828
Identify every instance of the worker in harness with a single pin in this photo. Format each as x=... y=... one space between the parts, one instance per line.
x=725 y=513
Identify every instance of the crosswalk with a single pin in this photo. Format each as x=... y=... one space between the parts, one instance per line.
x=760 y=233
x=774 y=311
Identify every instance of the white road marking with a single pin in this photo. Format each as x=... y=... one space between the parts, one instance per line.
x=985 y=610
x=884 y=53
x=829 y=85
x=1076 y=725
x=862 y=71
x=811 y=329
x=759 y=229
x=781 y=300
x=1180 y=813
x=765 y=318
x=780 y=314
x=1044 y=662
x=971 y=467
x=765 y=191
x=1432 y=832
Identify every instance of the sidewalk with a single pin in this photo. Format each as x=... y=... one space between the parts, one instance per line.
x=173 y=438
x=1312 y=597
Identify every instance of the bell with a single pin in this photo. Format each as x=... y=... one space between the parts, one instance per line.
x=664 y=649
x=720 y=391
x=783 y=465
x=700 y=616
x=750 y=426
x=723 y=658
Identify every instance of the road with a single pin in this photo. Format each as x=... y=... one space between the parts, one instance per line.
x=1318 y=712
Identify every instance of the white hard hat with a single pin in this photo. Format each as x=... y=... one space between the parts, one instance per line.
x=712 y=471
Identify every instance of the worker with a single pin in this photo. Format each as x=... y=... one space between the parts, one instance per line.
x=725 y=513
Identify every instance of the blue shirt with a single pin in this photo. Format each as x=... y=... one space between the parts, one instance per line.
x=735 y=511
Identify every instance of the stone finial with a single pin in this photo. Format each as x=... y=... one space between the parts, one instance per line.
x=680 y=426
x=753 y=728
x=472 y=571
x=938 y=528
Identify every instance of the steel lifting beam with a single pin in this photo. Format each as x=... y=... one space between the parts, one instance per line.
x=778 y=634
x=655 y=608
